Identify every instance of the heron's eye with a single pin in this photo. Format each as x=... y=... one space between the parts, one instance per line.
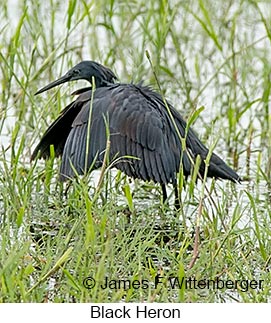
x=76 y=72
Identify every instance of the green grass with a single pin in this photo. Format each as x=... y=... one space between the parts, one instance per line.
x=212 y=61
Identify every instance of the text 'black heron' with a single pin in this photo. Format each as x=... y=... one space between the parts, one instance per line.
x=139 y=124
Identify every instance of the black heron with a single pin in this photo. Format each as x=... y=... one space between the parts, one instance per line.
x=139 y=124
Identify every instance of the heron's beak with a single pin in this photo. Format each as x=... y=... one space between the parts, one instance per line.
x=63 y=79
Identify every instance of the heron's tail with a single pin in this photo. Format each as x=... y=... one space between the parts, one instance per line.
x=217 y=168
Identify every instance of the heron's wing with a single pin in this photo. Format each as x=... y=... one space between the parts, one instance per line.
x=217 y=168
x=194 y=147
x=144 y=142
x=141 y=142
x=139 y=129
x=85 y=144
x=59 y=130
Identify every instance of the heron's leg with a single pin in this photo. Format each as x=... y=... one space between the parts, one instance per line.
x=177 y=198
x=164 y=190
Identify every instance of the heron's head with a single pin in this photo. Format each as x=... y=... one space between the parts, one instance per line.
x=86 y=70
